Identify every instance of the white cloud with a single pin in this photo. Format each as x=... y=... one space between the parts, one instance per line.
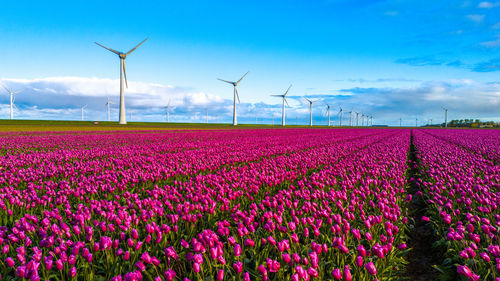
x=496 y=25
x=488 y=5
x=491 y=44
x=476 y=18
x=391 y=13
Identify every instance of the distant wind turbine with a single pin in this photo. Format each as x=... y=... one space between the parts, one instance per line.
x=340 y=116
x=167 y=111
x=328 y=113
x=310 y=110
x=357 y=115
x=350 y=118
x=83 y=107
x=123 y=74
x=283 y=108
x=108 y=103
x=236 y=96
x=12 y=98
x=445 y=117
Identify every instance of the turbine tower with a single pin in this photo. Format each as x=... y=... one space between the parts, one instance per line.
x=445 y=117
x=107 y=105
x=400 y=122
x=83 y=107
x=350 y=118
x=310 y=110
x=123 y=75
x=328 y=113
x=12 y=98
x=236 y=96
x=283 y=107
x=357 y=115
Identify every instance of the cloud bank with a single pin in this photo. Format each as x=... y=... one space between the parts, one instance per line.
x=61 y=98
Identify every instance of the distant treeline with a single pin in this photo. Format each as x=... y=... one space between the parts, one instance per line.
x=471 y=123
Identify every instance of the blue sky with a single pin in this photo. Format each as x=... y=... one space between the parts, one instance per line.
x=389 y=59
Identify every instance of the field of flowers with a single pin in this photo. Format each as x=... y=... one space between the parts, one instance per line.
x=295 y=204
x=461 y=183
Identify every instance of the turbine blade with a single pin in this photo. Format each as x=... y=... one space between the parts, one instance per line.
x=242 y=78
x=226 y=81
x=285 y=101
x=307 y=99
x=125 y=74
x=18 y=92
x=168 y=105
x=237 y=95
x=109 y=49
x=136 y=47
x=7 y=89
x=276 y=95
x=287 y=90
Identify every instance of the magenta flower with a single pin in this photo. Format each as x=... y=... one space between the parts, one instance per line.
x=220 y=275
x=464 y=270
x=237 y=250
x=370 y=267
x=337 y=274
x=238 y=267
x=9 y=262
x=347 y=273
x=170 y=275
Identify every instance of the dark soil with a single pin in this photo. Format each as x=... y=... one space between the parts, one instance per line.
x=421 y=236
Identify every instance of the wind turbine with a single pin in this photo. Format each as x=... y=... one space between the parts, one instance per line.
x=236 y=96
x=400 y=122
x=350 y=118
x=83 y=107
x=167 y=111
x=340 y=116
x=310 y=110
x=328 y=113
x=123 y=74
x=416 y=122
x=445 y=117
x=283 y=108
x=107 y=105
x=12 y=100
x=357 y=115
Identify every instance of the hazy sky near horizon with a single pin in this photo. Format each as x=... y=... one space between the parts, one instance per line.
x=389 y=59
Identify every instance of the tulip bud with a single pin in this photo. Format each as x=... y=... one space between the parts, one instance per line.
x=370 y=267
x=337 y=275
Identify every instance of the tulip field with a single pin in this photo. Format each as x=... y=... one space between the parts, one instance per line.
x=250 y=204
